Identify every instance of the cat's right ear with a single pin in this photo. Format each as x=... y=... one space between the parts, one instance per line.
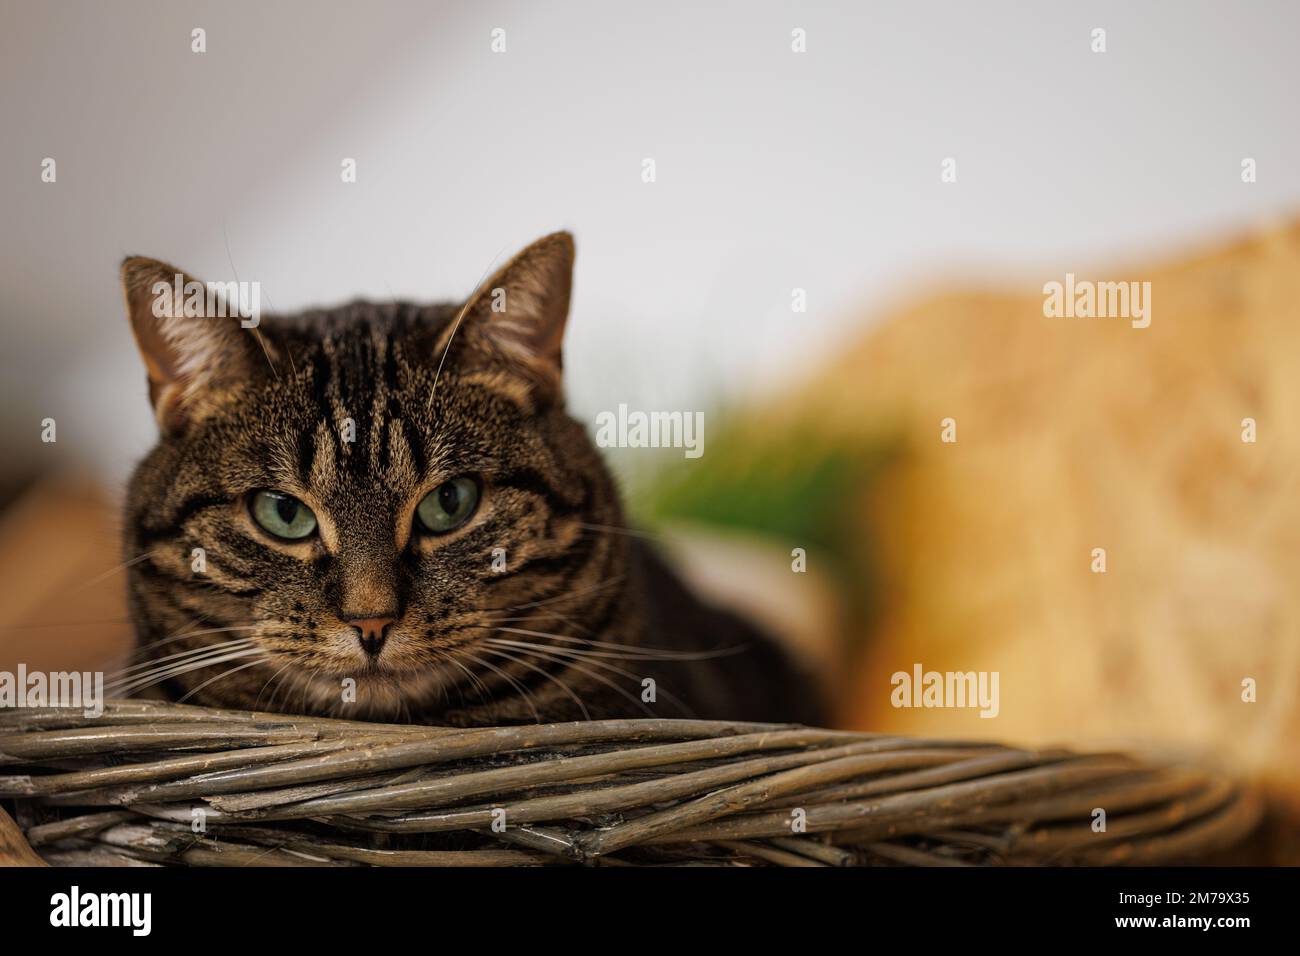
x=196 y=362
x=513 y=323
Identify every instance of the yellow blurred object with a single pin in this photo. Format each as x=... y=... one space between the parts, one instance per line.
x=62 y=581
x=1081 y=433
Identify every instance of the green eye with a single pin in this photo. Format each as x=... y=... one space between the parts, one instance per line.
x=448 y=506
x=282 y=515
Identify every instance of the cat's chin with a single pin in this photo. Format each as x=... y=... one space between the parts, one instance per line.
x=373 y=692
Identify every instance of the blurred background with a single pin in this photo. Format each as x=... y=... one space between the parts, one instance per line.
x=775 y=171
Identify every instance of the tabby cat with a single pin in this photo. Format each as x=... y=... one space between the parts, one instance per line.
x=382 y=511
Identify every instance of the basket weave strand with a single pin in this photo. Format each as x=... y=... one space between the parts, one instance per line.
x=127 y=787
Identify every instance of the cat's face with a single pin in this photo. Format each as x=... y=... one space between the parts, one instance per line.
x=345 y=506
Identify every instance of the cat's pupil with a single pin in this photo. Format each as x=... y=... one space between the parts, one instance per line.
x=287 y=509
x=447 y=506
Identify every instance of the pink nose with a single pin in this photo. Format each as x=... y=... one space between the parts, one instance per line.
x=371 y=632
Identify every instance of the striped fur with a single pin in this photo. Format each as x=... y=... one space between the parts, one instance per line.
x=572 y=626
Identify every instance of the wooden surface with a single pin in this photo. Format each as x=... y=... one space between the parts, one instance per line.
x=14 y=850
x=660 y=790
x=62 y=585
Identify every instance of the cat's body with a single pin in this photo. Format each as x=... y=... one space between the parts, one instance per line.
x=465 y=558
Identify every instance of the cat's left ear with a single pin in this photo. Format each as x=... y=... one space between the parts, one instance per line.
x=514 y=321
x=196 y=364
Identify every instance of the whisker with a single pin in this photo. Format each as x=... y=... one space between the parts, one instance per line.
x=629 y=652
x=227 y=673
x=546 y=674
x=256 y=333
x=568 y=654
x=200 y=656
x=546 y=655
x=182 y=634
x=523 y=691
x=608 y=583
x=149 y=678
x=192 y=652
x=528 y=618
x=286 y=684
x=258 y=699
x=110 y=572
x=460 y=317
x=553 y=678
x=173 y=660
x=483 y=691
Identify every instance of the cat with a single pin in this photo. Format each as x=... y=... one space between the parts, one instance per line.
x=383 y=511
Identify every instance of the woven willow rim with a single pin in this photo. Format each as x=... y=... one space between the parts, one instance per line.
x=150 y=782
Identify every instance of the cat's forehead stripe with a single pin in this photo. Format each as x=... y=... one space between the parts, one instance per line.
x=361 y=432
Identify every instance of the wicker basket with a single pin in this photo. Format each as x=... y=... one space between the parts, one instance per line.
x=157 y=783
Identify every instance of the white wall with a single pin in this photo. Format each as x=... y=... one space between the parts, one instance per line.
x=775 y=170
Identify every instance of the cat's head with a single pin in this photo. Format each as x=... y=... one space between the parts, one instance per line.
x=346 y=505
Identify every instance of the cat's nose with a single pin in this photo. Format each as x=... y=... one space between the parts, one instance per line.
x=371 y=632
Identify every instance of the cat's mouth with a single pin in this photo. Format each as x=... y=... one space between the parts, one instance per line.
x=368 y=690
x=396 y=665
x=339 y=673
x=365 y=669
